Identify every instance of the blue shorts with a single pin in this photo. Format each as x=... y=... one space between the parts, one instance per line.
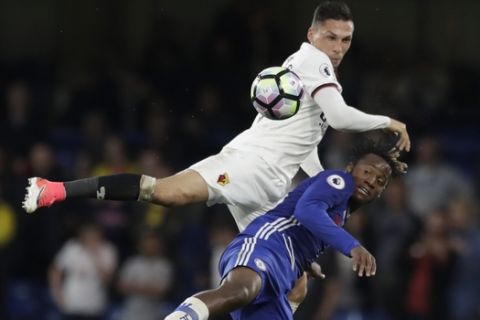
x=273 y=259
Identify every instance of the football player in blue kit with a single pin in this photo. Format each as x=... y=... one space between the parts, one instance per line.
x=261 y=265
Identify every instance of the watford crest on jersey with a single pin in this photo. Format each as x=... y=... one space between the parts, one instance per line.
x=223 y=179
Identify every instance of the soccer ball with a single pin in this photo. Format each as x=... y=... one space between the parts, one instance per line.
x=276 y=93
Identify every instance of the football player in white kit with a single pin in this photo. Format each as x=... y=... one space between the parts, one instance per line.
x=254 y=171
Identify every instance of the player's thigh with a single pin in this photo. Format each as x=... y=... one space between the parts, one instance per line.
x=269 y=304
x=244 y=281
x=268 y=260
x=238 y=288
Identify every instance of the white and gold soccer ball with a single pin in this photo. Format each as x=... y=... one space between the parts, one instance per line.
x=276 y=93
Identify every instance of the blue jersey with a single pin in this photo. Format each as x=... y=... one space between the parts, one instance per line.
x=281 y=244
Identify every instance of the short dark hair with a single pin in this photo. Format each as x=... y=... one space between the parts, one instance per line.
x=335 y=10
x=383 y=147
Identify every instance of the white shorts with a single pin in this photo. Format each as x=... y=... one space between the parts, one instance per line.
x=243 y=181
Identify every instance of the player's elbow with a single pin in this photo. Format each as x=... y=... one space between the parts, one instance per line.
x=339 y=122
x=305 y=212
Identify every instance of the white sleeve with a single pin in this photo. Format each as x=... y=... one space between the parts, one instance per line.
x=311 y=165
x=340 y=116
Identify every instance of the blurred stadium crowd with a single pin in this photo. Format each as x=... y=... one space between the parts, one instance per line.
x=171 y=108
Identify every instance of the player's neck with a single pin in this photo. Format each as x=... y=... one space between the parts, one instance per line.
x=353 y=205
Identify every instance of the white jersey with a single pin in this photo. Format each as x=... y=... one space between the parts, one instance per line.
x=254 y=171
x=286 y=144
x=83 y=289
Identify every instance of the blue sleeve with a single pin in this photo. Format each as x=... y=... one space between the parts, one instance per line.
x=329 y=190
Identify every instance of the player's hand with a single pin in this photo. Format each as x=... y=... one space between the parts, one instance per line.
x=400 y=166
x=315 y=271
x=363 y=262
x=400 y=129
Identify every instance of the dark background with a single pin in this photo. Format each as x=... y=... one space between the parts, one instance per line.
x=98 y=87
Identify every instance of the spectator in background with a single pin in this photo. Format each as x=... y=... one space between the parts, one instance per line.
x=42 y=161
x=134 y=92
x=145 y=280
x=205 y=137
x=19 y=126
x=82 y=166
x=431 y=262
x=37 y=239
x=80 y=275
x=154 y=162
x=147 y=215
x=464 y=290
x=337 y=152
x=113 y=216
x=392 y=228
x=8 y=224
x=341 y=296
x=94 y=130
x=115 y=158
x=157 y=123
x=220 y=236
x=431 y=181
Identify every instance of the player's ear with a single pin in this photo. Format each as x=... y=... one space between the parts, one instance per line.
x=349 y=167
x=310 y=33
x=383 y=190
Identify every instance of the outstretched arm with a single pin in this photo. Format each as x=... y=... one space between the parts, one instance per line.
x=343 y=117
x=314 y=217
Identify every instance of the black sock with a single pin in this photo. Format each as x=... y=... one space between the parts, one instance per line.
x=125 y=186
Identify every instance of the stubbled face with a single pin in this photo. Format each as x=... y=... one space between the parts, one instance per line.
x=371 y=175
x=333 y=37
